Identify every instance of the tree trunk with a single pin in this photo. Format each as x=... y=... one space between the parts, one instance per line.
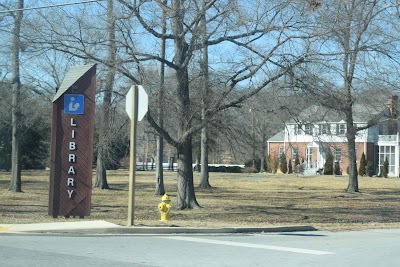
x=104 y=136
x=160 y=190
x=204 y=183
x=16 y=183
x=352 y=187
x=263 y=151
x=186 y=198
x=101 y=172
x=349 y=66
x=197 y=167
x=186 y=195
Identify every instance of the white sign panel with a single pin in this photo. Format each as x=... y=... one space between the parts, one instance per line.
x=143 y=102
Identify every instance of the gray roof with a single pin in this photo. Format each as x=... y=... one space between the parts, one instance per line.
x=71 y=77
x=279 y=137
x=361 y=113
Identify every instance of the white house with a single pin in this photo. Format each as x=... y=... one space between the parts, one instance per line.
x=318 y=130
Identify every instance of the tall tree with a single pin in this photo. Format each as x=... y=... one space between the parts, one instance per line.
x=204 y=182
x=160 y=190
x=182 y=53
x=358 y=46
x=104 y=134
x=185 y=30
x=16 y=183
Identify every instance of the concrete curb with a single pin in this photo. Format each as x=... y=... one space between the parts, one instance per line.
x=199 y=230
x=56 y=227
x=103 y=227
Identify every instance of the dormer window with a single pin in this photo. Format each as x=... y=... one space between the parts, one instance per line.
x=308 y=129
x=325 y=128
x=342 y=129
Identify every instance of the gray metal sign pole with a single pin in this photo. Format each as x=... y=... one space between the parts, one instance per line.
x=132 y=170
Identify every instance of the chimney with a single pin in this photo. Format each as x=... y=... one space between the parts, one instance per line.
x=392 y=104
x=393 y=108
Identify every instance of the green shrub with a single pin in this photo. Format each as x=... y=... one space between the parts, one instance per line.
x=369 y=169
x=272 y=164
x=328 y=166
x=283 y=163
x=269 y=164
x=290 y=168
x=363 y=163
x=337 y=168
x=228 y=169
x=275 y=164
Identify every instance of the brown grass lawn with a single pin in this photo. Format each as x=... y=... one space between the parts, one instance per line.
x=236 y=200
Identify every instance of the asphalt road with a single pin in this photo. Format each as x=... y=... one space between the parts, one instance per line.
x=356 y=248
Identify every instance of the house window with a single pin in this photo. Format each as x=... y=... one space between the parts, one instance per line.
x=281 y=151
x=338 y=154
x=308 y=129
x=325 y=128
x=295 y=152
x=389 y=153
x=341 y=129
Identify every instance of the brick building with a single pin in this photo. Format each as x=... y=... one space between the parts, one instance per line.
x=318 y=130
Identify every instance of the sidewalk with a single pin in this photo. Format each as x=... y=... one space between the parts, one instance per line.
x=103 y=227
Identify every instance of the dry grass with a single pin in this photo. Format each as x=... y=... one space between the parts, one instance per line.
x=236 y=200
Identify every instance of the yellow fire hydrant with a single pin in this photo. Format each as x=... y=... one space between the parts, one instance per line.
x=164 y=207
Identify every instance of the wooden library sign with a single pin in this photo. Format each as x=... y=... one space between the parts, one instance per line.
x=72 y=132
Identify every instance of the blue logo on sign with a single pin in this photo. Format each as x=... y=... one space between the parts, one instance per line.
x=74 y=104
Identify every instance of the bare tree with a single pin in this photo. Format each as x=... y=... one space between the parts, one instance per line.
x=261 y=38
x=185 y=36
x=204 y=182
x=16 y=183
x=160 y=141
x=358 y=44
x=104 y=134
